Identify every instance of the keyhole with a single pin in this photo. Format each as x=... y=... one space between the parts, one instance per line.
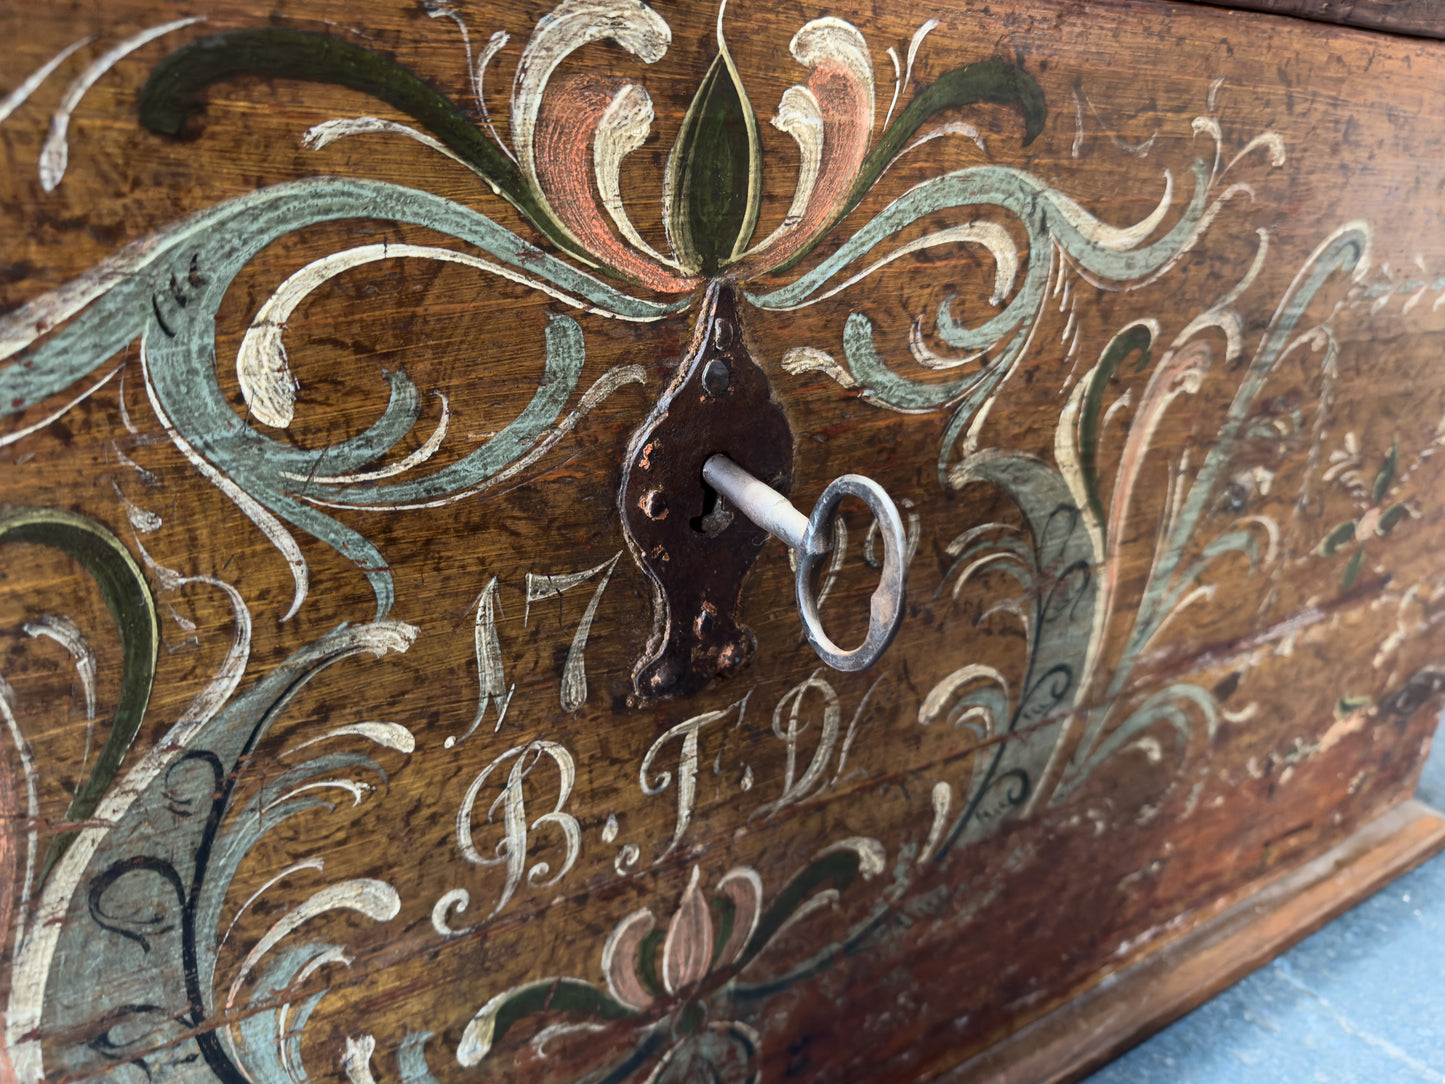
x=716 y=515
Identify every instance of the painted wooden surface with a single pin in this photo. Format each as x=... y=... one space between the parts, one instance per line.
x=325 y=758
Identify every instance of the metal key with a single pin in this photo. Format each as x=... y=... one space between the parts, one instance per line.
x=811 y=538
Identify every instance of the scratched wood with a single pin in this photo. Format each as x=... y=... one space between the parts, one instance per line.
x=323 y=757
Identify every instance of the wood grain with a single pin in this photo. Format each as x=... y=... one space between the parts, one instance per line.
x=1127 y=1006
x=1174 y=613
x=1420 y=18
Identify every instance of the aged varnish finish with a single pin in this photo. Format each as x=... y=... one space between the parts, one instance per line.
x=347 y=732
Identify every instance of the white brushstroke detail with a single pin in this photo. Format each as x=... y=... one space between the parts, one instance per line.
x=819 y=901
x=439 y=9
x=31 y=964
x=458 y=899
x=1271 y=141
x=56 y=151
x=942 y=799
x=32 y=810
x=1115 y=238
x=809 y=359
x=317 y=863
x=951 y=128
x=356 y=1061
x=980 y=418
x=801 y=117
x=16 y=98
x=541 y=586
x=512 y=849
x=186 y=624
x=833 y=39
x=265 y=376
x=990 y=235
x=623 y=127
x=375 y=899
x=798 y=787
x=1122 y=403
x=1078 y=126
x=356 y=789
x=930 y=359
x=835 y=560
x=67 y=634
x=754 y=880
x=124 y=420
x=687 y=733
x=897 y=84
x=391 y=735
x=539 y=1041
x=569 y=26
x=142 y=520
x=872 y=857
x=932 y=708
x=495 y=44
x=745 y=784
x=628 y=855
x=918 y=36
x=606 y=384
x=491 y=680
x=401 y=466
x=609 y=830
x=688 y=945
x=269 y=525
x=11 y=438
x=328 y=132
x=1212 y=98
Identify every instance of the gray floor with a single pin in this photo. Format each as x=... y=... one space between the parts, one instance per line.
x=1360 y=1002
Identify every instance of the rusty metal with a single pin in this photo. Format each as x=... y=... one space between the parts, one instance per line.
x=693 y=548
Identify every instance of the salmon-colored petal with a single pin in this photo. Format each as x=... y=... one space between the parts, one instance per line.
x=841 y=85
x=566 y=130
x=687 y=951
x=619 y=959
x=744 y=889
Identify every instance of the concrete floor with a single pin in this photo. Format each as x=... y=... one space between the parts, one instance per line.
x=1362 y=1001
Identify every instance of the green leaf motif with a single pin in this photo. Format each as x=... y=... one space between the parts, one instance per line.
x=1345 y=532
x=1131 y=340
x=175 y=84
x=715 y=172
x=1347 y=705
x=1386 y=475
x=1352 y=570
x=646 y=966
x=128 y=597
x=1392 y=516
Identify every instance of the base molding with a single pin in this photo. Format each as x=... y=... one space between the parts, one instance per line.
x=1129 y=1005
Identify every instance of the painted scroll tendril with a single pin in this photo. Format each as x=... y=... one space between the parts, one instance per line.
x=168 y=288
x=1072 y=567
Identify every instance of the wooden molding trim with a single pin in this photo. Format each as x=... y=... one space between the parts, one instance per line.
x=1128 y=1006
x=1415 y=18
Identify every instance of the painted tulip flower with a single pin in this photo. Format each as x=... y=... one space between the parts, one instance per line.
x=569 y=137
x=677 y=986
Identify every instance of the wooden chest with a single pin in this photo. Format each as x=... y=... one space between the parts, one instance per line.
x=387 y=694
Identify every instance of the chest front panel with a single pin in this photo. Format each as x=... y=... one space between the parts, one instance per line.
x=332 y=335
